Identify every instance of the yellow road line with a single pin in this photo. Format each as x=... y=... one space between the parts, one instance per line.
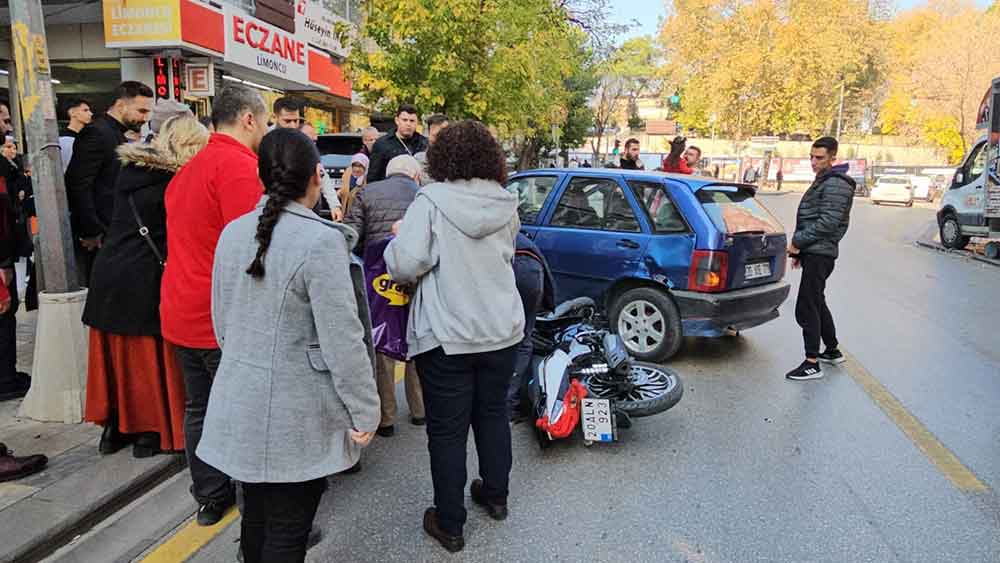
x=189 y=540
x=946 y=462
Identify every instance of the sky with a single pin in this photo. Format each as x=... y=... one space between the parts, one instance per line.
x=649 y=12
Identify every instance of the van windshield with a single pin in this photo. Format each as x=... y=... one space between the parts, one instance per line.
x=736 y=210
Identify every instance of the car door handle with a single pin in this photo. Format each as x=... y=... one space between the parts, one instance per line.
x=626 y=243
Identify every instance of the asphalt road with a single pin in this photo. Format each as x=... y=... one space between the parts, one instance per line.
x=750 y=467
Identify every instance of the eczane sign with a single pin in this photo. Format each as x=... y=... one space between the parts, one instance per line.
x=261 y=46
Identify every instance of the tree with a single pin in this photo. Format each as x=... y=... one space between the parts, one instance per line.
x=941 y=69
x=764 y=66
x=504 y=63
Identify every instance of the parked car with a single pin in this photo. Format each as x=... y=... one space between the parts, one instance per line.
x=893 y=189
x=335 y=152
x=667 y=255
x=924 y=188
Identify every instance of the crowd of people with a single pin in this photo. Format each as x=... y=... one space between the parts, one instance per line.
x=227 y=320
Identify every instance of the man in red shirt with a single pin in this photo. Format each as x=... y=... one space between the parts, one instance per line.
x=215 y=187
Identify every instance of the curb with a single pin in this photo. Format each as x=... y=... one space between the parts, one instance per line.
x=63 y=531
x=963 y=253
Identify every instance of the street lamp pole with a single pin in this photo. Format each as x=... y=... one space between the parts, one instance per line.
x=59 y=370
x=840 y=113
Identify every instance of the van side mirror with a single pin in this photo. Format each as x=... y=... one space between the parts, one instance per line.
x=959 y=178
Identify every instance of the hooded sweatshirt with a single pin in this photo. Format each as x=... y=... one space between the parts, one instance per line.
x=456 y=244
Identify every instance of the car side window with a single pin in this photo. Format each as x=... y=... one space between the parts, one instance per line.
x=976 y=165
x=660 y=209
x=531 y=192
x=595 y=203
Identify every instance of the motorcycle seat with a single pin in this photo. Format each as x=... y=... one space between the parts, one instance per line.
x=572 y=309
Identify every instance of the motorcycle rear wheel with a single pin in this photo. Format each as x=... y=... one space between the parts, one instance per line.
x=656 y=389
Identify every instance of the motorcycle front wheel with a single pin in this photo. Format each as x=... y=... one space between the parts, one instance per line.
x=655 y=389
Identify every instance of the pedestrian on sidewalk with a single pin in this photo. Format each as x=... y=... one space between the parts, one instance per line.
x=355 y=178
x=215 y=187
x=676 y=162
x=294 y=399
x=456 y=245
x=435 y=123
x=93 y=170
x=80 y=115
x=823 y=218
x=630 y=160
x=404 y=139
x=162 y=111
x=13 y=384
x=375 y=209
x=135 y=388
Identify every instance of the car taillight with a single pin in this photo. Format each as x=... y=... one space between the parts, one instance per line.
x=709 y=271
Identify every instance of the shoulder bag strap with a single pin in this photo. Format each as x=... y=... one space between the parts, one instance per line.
x=144 y=232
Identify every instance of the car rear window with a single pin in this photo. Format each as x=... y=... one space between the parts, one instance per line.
x=338 y=144
x=336 y=160
x=735 y=210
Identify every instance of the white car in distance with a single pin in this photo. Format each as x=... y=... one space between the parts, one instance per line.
x=893 y=189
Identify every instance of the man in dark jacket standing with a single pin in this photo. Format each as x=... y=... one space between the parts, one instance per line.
x=536 y=287
x=13 y=384
x=375 y=209
x=94 y=166
x=630 y=160
x=823 y=217
x=403 y=140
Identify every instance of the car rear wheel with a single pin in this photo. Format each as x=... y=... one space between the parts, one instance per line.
x=951 y=234
x=648 y=322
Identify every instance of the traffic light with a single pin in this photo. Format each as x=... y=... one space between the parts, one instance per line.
x=617 y=145
x=675 y=100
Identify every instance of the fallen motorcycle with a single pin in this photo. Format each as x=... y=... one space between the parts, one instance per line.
x=582 y=375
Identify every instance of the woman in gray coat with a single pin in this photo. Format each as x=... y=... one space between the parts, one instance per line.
x=294 y=398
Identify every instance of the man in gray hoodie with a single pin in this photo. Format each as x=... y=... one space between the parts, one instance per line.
x=456 y=245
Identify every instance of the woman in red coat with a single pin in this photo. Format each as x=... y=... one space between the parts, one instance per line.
x=674 y=162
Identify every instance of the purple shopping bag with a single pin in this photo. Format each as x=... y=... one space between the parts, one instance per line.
x=389 y=306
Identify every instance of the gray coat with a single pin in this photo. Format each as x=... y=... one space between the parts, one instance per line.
x=377 y=206
x=296 y=374
x=824 y=215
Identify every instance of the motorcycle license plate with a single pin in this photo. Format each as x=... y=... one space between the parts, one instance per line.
x=597 y=420
x=757 y=270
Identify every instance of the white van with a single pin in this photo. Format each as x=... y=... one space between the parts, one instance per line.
x=971 y=205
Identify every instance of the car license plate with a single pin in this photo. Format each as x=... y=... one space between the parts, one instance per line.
x=757 y=270
x=597 y=420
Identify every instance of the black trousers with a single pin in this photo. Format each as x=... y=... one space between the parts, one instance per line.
x=277 y=519
x=199 y=366
x=8 y=337
x=530 y=277
x=461 y=391
x=811 y=311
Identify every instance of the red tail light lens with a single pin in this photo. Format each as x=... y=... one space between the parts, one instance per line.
x=709 y=271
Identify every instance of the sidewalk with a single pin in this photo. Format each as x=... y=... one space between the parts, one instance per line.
x=79 y=487
x=932 y=239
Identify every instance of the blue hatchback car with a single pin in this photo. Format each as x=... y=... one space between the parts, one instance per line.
x=668 y=255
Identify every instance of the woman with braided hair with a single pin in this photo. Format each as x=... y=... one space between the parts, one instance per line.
x=294 y=398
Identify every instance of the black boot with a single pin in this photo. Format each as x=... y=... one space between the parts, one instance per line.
x=147 y=444
x=111 y=439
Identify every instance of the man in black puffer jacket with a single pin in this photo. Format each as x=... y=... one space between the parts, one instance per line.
x=376 y=207
x=822 y=221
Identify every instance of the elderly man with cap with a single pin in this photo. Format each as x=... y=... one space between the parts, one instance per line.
x=372 y=213
x=162 y=111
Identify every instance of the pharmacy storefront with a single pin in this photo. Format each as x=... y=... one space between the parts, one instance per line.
x=194 y=48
